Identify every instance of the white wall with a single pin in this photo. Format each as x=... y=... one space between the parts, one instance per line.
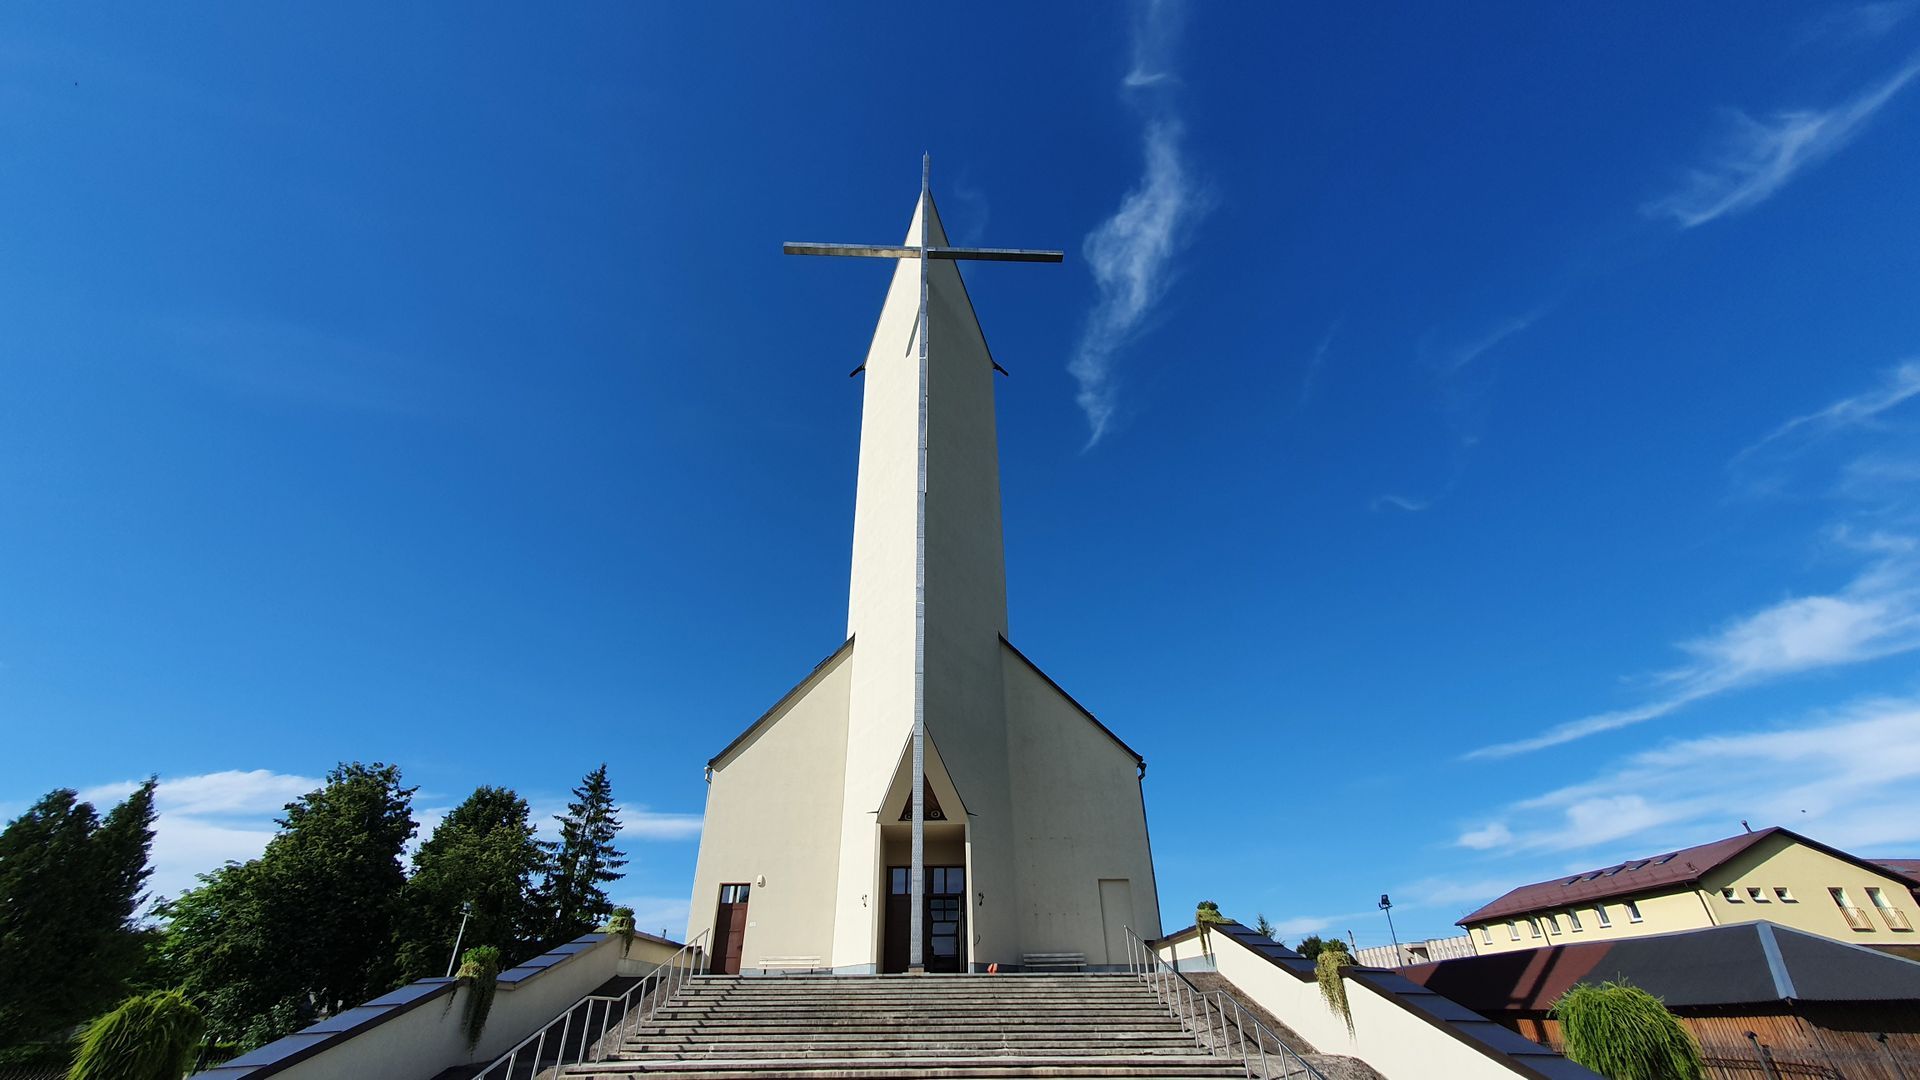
x=422 y=1042
x=773 y=811
x=1399 y=1044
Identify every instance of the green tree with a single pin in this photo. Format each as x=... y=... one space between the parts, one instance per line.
x=149 y=1037
x=307 y=929
x=70 y=884
x=1265 y=928
x=584 y=859
x=1624 y=1033
x=482 y=853
x=1313 y=945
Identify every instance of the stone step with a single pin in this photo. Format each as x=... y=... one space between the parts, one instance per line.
x=778 y=1023
x=931 y=1068
x=1183 y=1048
x=916 y=1008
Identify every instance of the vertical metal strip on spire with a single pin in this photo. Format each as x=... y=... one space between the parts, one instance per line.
x=916 y=922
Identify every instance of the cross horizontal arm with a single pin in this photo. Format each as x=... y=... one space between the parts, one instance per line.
x=887 y=251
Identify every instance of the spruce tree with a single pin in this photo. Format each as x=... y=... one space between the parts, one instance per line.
x=483 y=853
x=69 y=887
x=584 y=859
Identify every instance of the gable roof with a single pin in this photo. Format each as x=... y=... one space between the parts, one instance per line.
x=1906 y=868
x=1636 y=877
x=1742 y=963
x=818 y=670
x=1082 y=709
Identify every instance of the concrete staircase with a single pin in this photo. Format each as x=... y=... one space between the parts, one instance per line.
x=964 y=1026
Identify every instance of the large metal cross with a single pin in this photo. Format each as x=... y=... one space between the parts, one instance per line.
x=925 y=253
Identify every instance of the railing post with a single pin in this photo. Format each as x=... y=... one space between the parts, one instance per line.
x=565 y=1030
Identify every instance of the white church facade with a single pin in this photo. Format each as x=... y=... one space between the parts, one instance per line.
x=1032 y=820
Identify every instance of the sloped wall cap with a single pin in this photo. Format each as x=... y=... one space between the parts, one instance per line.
x=1522 y=1056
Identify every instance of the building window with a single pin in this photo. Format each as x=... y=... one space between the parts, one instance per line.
x=1731 y=896
x=1553 y=923
x=1600 y=916
x=1513 y=930
x=1785 y=896
x=733 y=894
x=1486 y=935
x=1534 y=925
x=1573 y=919
x=1855 y=917
x=1633 y=911
x=1758 y=896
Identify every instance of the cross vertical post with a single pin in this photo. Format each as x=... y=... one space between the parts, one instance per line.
x=924 y=252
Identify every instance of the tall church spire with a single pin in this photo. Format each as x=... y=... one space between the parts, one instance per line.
x=928 y=583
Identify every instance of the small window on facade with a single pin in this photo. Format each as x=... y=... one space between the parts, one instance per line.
x=1513 y=930
x=1879 y=899
x=1534 y=925
x=1486 y=935
x=1600 y=915
x=733 y=894
x=1573 y=919
x=898 y=884
x=1553 y=923
x=1732 y=896
x=1758 y=896
x=1664 y=859
x=1785 y=896
x=1633 y=911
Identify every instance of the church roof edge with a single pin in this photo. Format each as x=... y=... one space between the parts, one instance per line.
x=1071 y=700
x=714 y=761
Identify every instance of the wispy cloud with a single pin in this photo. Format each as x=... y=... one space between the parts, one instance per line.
x=1861 y=21
x=1466 y=354
x=208 y=820
x=1131 y=253
x=1852 y=773
x=1872 y=616
x=1404 y=503
x=1876 y=615
x=1761 y=464
x=1757 y=157
x=1318 y=360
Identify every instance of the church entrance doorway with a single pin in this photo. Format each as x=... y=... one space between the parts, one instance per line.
x=944 y=925
x=729 y=929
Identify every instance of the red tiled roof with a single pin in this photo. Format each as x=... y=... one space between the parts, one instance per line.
x=1633 y=877
x=1906 y=868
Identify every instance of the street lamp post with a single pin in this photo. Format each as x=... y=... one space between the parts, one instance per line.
x=466 y=910
x=1386 y=905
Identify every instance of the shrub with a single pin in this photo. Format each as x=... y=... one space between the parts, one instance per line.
x=1624 y=1033
x=147 y=1037
x=479 y=969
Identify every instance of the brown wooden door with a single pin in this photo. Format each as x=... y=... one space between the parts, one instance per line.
x=943 y=941
x=899 y=913
x=729 y=929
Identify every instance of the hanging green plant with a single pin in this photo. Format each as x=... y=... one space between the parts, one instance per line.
x=479 y=972
x=1624 y=1033
x=622 y=924
x=147 y=1037
x=1206 y=915
x=1333 y=983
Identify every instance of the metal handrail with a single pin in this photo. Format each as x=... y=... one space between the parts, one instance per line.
x=678 y=969
x=1856 y=917
x=1196 y=1010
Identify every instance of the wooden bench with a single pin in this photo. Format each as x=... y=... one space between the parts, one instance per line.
x=1053 y=961
x=809 y=964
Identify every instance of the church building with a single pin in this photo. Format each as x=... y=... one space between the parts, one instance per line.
x=1027 y=832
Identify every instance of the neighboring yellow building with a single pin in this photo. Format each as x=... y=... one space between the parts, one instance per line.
x=1774 y=874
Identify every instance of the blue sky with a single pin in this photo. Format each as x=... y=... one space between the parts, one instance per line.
x=1461 y=446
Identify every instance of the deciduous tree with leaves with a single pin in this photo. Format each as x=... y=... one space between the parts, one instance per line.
x=482 y=853
x=307 y=929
